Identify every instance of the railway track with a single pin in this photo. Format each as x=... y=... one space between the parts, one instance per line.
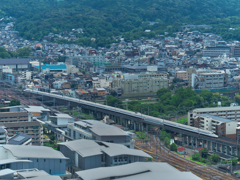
x=162 y=154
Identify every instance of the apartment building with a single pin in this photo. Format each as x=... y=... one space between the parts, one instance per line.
x=140 y=86
x=26 y=75
x=218 y=125
x=206 y=79
x=96 y=130
x=3 y=135
x=11 y=117
x=211 y=80
x=231 y=113
x=34 y=129
x=182 y=75
x=190 y=72
x=88 y=154
x=96 y=60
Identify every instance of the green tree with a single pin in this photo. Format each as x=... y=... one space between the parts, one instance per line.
x=14 y=102
x=204 y=153
x=113 y=93
x=114 y=102
x=237 y=98
x=215 y=158
x=196 y=157
x=24 y=52
x=173 y=147
x=73 y=85
x=234 y=162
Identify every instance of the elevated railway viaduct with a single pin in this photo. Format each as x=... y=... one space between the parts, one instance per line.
x=191 y=136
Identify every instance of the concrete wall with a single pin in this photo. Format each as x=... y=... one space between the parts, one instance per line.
x=93 y=162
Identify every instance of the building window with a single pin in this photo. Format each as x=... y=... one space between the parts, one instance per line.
x=60 y=161
x=44 y=160
x=37 y=160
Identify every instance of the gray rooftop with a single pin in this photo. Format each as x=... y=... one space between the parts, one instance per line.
x=8 y=161
x=38 y=109
x=217 y=118
x=234 y=108
x=139 y=171
x=5 y=172
x=102 y=129
x=19 y=139
x=34 y=152
x=13 y=61
x=87 y=148
x=31 y=174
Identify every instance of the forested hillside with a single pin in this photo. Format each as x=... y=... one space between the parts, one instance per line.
x=103 y=19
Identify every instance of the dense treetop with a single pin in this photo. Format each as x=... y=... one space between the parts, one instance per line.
x=103 y=19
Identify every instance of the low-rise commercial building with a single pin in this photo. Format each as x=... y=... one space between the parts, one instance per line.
x=137 y=170
x=88 y=154
x=18 y=157
x=216 y=51
x=96 y=130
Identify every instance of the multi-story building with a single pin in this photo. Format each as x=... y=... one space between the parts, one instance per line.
x=34 y=129
x=206 y=79
x=231 y=113
x=218 y=125
x=15 y=64
x=96 y=130
x=3 y=135
x=216 y=51
x=210 y=80
x=18 y=157
x=190 y=72
x=141 y=85
x=182 y=75
x=236 y=51
x=26 y=75
x=38 y=112
x=88 y=154
x=11 y=117
x=95 y=60
x=58 y=124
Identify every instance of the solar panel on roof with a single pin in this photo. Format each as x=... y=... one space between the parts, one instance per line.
x=19 y=138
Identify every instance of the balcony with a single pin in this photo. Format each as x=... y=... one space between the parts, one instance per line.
x=2 y=136
x=2 y=141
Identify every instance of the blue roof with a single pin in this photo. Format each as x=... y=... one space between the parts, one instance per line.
x=60 y=66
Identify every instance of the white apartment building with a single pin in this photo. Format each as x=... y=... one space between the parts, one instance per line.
x=218 y=125
x=231 y=113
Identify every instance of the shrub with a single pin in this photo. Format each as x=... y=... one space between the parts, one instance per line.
x=173 y=147
x=196 y=157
